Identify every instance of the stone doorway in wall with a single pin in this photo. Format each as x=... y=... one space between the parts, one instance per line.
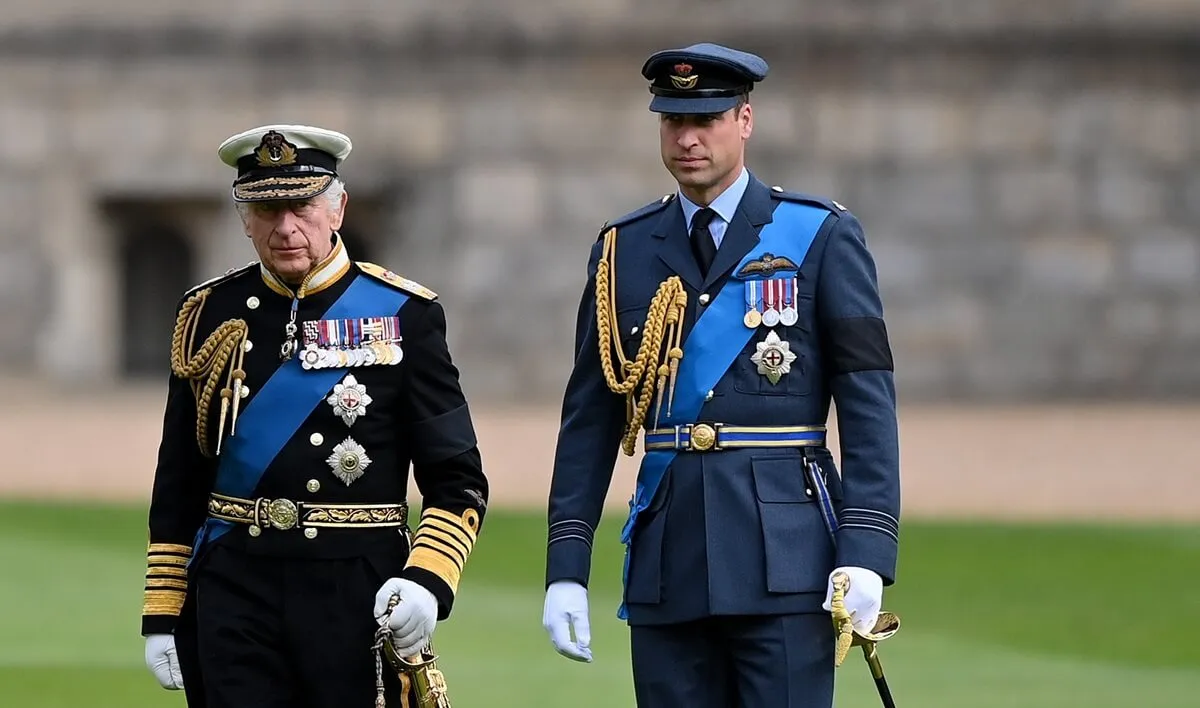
x=156 y=256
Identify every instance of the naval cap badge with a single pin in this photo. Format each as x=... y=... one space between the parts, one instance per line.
x=275 y=150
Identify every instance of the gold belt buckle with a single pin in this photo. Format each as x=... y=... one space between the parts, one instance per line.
x=704 y=437
x=283 y=514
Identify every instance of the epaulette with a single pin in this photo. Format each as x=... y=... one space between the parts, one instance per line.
x=227 y=275
x=653 y=207
x=778 y=192
x=399 y=282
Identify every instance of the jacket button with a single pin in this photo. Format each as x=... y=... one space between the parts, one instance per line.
x=704 y=299
x=313 y=486
x=310 y=532
x=708 y=396
x=316 y=438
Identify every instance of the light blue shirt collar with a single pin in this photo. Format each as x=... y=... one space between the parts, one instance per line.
x=725 y=205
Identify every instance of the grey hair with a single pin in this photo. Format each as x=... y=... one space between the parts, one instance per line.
x=333 y=194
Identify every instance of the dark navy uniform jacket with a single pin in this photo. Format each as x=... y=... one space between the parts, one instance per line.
x=417 y=417
x=738 y=531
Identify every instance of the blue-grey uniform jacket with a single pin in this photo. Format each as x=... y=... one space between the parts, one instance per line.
x=739 y=531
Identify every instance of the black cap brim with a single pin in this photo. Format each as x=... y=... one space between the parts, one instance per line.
x=692 y=106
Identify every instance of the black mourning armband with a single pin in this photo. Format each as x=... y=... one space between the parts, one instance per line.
x=858 y=344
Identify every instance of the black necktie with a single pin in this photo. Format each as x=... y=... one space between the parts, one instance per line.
x=703 y=246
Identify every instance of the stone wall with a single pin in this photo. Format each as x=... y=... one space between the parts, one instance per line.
x=1025 y=171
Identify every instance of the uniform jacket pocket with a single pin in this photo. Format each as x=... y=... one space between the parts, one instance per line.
x=796 y=382
x=797 y=548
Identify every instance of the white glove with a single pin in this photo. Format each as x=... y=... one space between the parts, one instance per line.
x=163 y=661
x=863 y=599
x=566 y=608
x=413 y=621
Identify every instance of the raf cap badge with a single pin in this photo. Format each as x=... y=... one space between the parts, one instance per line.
x=683 y=78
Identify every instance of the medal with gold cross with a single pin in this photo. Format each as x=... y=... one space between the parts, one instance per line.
x=774 y=357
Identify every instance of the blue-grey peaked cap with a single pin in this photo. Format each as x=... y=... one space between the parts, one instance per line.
x=702 y=78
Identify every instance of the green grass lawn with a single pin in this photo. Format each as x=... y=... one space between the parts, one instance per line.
x=992 y=616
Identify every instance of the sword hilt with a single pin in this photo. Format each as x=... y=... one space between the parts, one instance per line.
x=886 y=625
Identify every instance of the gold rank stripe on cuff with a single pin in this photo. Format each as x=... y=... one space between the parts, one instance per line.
x=171 y=583
x=174 y=548
x=163 y=602
x=443 y=542
x=166 y=571
x=166 y=578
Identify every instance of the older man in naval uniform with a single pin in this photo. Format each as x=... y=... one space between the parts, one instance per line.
x=304 y=387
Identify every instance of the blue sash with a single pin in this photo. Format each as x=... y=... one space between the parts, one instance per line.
x=285 y=401
x=714 y=344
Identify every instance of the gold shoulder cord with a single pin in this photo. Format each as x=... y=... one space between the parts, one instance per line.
x=204 y=369
x=663 y=320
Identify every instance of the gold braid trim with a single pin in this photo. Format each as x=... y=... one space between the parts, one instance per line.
x=206 y=366
x=663 y=321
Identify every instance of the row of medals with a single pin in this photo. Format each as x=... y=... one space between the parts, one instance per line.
x=776 y=311
x=366 y=354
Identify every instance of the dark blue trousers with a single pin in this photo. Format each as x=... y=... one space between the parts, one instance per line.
x=287 y=633
x=782 y=661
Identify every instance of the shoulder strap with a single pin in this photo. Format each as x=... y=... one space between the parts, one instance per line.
x=399 y=282
x=778 y=192
x=227 y=275
x=651 y=208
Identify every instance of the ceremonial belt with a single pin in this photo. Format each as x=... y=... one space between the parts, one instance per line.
x=711 y=437
x=285 y=514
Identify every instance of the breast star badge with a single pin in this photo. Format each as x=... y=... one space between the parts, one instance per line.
x=774 y=357
x=348 y=461
x=349 y=399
